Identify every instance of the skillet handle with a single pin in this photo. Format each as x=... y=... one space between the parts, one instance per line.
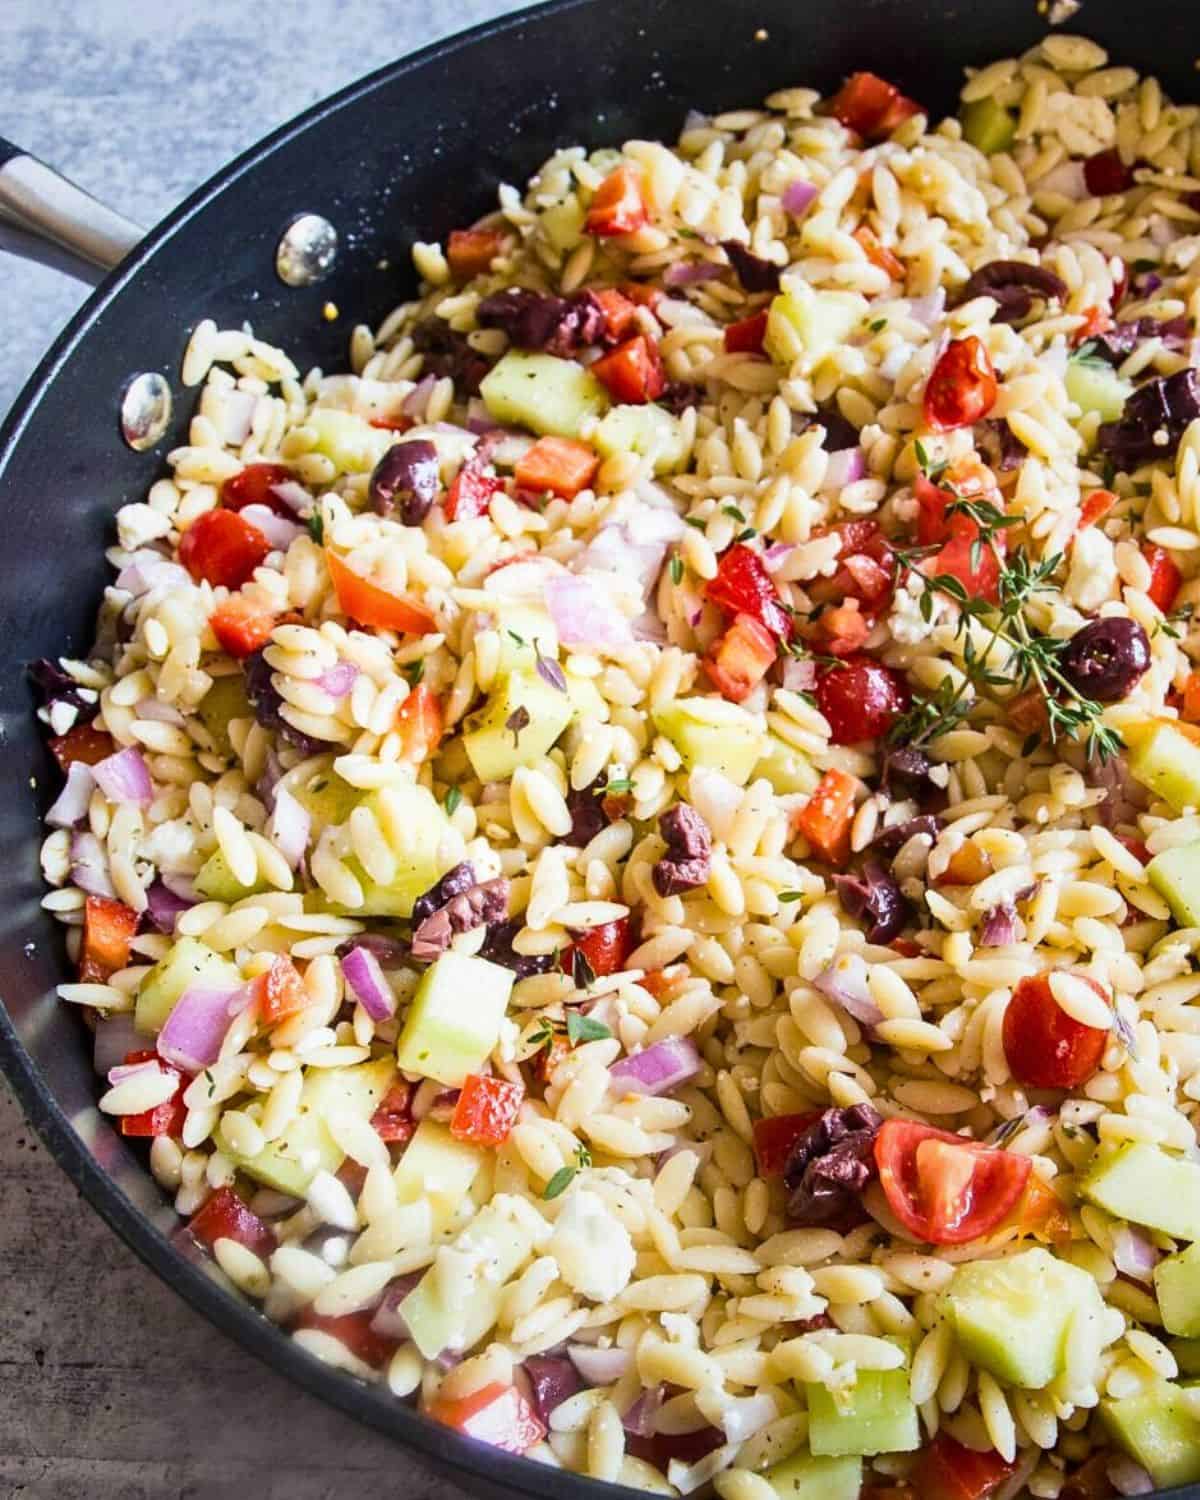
x=44 y=217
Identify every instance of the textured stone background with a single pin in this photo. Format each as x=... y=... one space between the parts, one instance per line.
x=111 y=1388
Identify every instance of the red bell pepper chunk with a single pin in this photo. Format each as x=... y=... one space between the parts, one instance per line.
x=471 y=251
x=1165 y=577
x=775 y=1138
x=1096 y=320
x=355 y=1332
x=241 y=628
x=739 y=660
x=643 y=295
x=870 y=106
x=108 y=931
x=564 y=466
x=498 y=1414
x=486 y=1110
x=961 y=388
x=605 y=947
x=83 y=743
x=163 y=1119
x=746 y=336
x=547 y=1058
x=220 y=548
x=948 y=1471
x=743 y=586
x=255 y=486
x=279 y=992
x=620 y=313
x=1105 y=173
x=420 y=724
x=618 y=206
x=393 y=1120
x=470 y=493
x=878 y=253
x=1095 y=508
x=633 y=373
x=825 y=818
x=369 y=604
x=226 y=1217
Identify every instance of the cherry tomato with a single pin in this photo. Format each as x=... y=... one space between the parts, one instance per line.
x=486 y=1110
x=775 y=1137
x=355 y=1332
x=220 y=548
x=861 y=699
x=393 y=1120
x=226 y=1217
x=961 y=389
x=746 y=337
x=1045 y=1047
x=943 y=1188
x=866 y=567
x=255 y=486
x=946 y=1470
x=618 y=206
x=743 y=586
x=470 y=493
x=841 y=631
x=1105 y=173
x=1165 y=577
x=1095 y=508
x=605 y=947
x=871 y=106
x=241 y=628
x=633 y=373
x=739 y=660
x=471 y=251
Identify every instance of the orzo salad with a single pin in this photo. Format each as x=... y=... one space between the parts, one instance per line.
x=637 y=857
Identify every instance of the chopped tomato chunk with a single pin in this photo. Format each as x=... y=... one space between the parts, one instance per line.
x=279 y=992
x=743 y=586
x=420 y=724
x=861 y=698
x=471 y=251
x=1105 y=173
x=367 y=603
x=633 y=373
x=605 y=947
x=643 y=295
x=866 y=567
x=498 y=1414
x=841 y=631
x=1191 y=698
x=108 y=931
x=220 y=548
x=1165 y=577
x=944 y=1188
x=1045 y=1047
x=878 y=253
x=486 y=1110
x=1040 y=1213
x=746 y=336
x=163 y=1119
x=255 y=485
x=871 y=106
x=355 y=1332
x=775 y=1137
x=83 y=743
x=825 y=818
x=946 y=1470
x=1095 y=508
x=470 y=493
x=739 y=660
x=618 y=206
x=226 y=1217
x=241 y=628
x=977 y=567
x=620 y=313
x=1096 y=320
x=962 y=386
x=393 y=1120
x=564 y=466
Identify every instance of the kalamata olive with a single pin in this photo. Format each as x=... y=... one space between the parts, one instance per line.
x=406 y=475
x=1106 y=659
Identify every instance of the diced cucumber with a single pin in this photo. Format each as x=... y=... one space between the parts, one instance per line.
x=1157 y=1431
x=416 y=830
x=562 y=223
x=525 y=634
x=876 y=1415
x=190 y=964
x=326 y=797
x=437 y=1169
x=216 y=881
x=710 y=732
x=1146 y=1186
x=547 y=395
x=988 y=125
x=1187 y=1355
x=291 y=1161
x=1175 y=875
x=454 y=1020
x=458 y=1299
x=806 y=325
x=1177 y=1286
x=1012 y=1316
x=586 y=698
x=786 y=769
x=516 y=726
x=225 y=700
x=1096 y=386
x=347 y=440
x=806 y=1476
x=648 y=431
x=1167 y=762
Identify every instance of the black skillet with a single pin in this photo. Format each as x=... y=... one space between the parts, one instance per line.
x=409 y=153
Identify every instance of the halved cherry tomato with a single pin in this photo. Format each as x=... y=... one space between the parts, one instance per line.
x=220 y=548
x=743 y=586
x=393 y=1120
x=866 y=566
x=498 y=1414
x=1165 y=577
x=226 y=1217
x=746 y=336
x=871 y=106
x=946 y=1470
x=163 y=1119
x=84 y=743
x=255 y=486
x=1095 y=508
x=470 y=493
x=367 y=603
x=241 y=628
x=861 y=699
x=564 y=466
x=420 y=725
x=109 y=928
x=355 y=1332
x=279 y=992
x=620 y=313
x=739 y=660
x=471 y=251
x=962 y=386
x=943 y=1188
x=632 y=373
x=878 y=253
x=605 y=947
x=618 y=206
x=1105 y=173
x=1045 y=1047
x=486 y=1110
x=775 y=1138
x=825 y=818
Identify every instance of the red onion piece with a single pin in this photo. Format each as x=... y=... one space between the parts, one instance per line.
x=160 y=713
x=289 y=826
x=640 y=1419
x=1127 y=1477
x=163 y=907
x=797 y=197
x=180 y=885
x=339 y=679
x=552 y=1379
x=192 y=1035
x=636 y=546
x=799 y=674
x=148 y=570
x=123 y=1071
x=416 y=403
x=278 y=530
x=115 y=1039
x=928 y=309
x=584 y=615
x=89 y=865
x=1134 y=1254
x=362 y=973
x=294 y=495
x=743 y=1418
x=600 y=1366
x=479 y=419
x=688 y=273
x=388 y=1321
x=845 y=467
x=71 y=805
x=702 y=1149
x=665 y=1066
x=124 y=777
x=1001 y=926
x=1067 y=180
x=845 y=983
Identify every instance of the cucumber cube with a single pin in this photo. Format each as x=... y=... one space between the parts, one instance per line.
x=1095 y=386
x=876 y=1416
x=786 y=769
x=648 y=431
x=516 y=726
x=806 y=1476
x=1146 y=1186
x=225 y=700
x=327 y=798
x=525 y=634
x=988 y=126
x=710 y=732
x=217 y=882
x=547 y=395
x=562 y=223
x=189 y=965
x=1187 y=1355
x=416 y=830
x=1167 y=762
x=807 y=326
x=1012 y=1316
x=454 y=1020
x=1177 y=1285
x=438 y=1169
x=347 y=440
x=1158 y=1432
x=1175 y=875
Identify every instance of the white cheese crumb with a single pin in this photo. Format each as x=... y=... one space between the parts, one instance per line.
x=1092 y=580
x=594 y=1252
x=908 y=626
x=138 y=524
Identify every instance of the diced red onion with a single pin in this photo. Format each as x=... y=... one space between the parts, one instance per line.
x=635 y=546
x=1000 y=927
x=149 y=570
x=845 y=983
x=362 y=973
x=124 y=777
x=928 y=309
x=797 y=197
x=121 y=1072
x=1127 y=1477
x=289 y=826
x=163 y=907
x=641 y=1417
x=115 y=1039
x=1134 y=1255
x=1067 y=180
x=479 y=420
x=192 y=1034
x=552 y=1380
x=388 y=1321
x=600 y=1366
x=180 y=885
x=416 y=403
x=799 y=674
x=688 y=273
x=847 y=466
x=71 y=805
x=339 y=679
x=278 y=530
x=584 y=615
x=1123 y=797
x=665 y=1066
x=159 y=712
x=293 y=494
x=89 y=865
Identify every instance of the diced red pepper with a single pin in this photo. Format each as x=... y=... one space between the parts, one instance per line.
x=1095 y=508
x=878 y=253
x=241 y=628
x=163 y=1119
x=840 y=631
x=564 y=466
x=633 y=372
x=220 y=548
x=774 y=1139
x=279 y=992
x=946 y=1470
x=486 y=1110
x=471 y=251
x=861 y=699
x=642 y=294
x=662 y=983
x=84 y=743
x=870 y=106
x=962 y=386
x=355 y=1332
x=498 y=1414
x=1105 y=173
x=605 y=947
x=255 y=486
x=825 y=818
x=393 y=1120
x=547 y=1058
x=470 y=493
x=109 y=928
x=746 y=336
x=743 y=586
x=368 y=604
x=618 y=206
x=620 y=313
x=1096 y=320
x=1165 y=577
x=1191 y=698
x=739 y=660
x=226 y=1217
x=420 y=725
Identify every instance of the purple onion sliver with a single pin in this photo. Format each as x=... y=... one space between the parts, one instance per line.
x=71 y=805
x=279 y=531
x=665 y=1066
x=124 y=777
x=163 y=907
x=89 y=865
x=192 y=1034
x=363 y=974
x=797 y=197
x=289 y=827
x=845 y=982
